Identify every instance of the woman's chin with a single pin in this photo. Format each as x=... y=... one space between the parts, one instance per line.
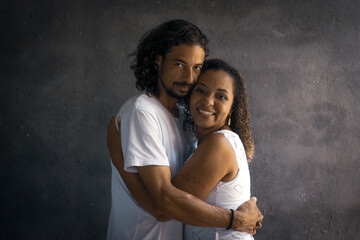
x=203 y=125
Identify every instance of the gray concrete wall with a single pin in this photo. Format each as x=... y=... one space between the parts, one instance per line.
x=64 y=73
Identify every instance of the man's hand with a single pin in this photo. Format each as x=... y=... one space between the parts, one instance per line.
x=249 y=216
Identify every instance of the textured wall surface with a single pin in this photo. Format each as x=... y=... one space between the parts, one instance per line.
x=64 y=73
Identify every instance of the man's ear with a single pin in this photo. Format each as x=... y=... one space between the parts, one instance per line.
x=158 y=62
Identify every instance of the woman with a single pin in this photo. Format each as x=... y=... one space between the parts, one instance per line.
x=217 y=172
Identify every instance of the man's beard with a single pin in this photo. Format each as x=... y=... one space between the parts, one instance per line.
x=171 y=92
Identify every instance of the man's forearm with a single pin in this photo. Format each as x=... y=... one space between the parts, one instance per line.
x=137 y=188
x=190 y=210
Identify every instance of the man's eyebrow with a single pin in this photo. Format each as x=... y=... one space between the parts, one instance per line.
x=180 y=60
x=183 y=61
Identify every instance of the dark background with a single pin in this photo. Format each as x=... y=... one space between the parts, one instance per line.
x=65 y=72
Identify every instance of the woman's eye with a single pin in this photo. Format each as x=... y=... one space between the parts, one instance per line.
x=199 y=90
x=222 y=97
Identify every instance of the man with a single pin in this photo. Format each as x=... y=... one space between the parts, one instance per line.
x=168 y=61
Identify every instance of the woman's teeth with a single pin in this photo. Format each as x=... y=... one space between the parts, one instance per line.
x=205 y=112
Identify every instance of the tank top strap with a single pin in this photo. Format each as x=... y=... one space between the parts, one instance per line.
x=235 y=142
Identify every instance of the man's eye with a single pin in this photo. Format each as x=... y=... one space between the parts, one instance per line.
x=178 y=64
x=197 y=68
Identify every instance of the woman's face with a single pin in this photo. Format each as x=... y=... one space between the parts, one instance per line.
x=211 y=100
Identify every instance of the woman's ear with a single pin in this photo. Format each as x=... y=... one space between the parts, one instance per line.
x=229 y=117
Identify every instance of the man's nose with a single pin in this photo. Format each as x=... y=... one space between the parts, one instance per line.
x=189 y=75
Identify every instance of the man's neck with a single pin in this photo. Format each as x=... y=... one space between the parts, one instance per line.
x=169 y=103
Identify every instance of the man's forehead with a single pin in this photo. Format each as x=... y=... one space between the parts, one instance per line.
x=186 y=52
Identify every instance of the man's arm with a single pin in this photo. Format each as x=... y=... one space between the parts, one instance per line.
x=132 y=180
x=184 y=207
x=181 y=205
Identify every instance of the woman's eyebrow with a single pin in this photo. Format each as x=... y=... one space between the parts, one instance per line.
x=224 y=90
x=202 y=84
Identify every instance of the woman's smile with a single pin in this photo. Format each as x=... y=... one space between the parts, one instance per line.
x=205 y=112
x=211 y=100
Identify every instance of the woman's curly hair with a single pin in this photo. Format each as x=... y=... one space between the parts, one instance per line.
x=240 y=117
x=157 y=42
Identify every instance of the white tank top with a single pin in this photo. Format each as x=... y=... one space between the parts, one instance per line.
x=228 y=195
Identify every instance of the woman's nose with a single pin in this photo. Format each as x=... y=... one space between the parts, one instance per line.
x=209 y=100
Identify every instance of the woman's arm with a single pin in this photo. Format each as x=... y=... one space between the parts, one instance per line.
x=214 y=160
x=132 y=180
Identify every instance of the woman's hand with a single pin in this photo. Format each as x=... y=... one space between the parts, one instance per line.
x=113 y=140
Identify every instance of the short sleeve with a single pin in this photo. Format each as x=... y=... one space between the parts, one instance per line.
x=141 y=141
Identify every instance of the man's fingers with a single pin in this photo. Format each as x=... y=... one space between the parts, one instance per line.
x=113 y=125
x=248 y=204
x=253 y=232
x=261 y=217
x=118 y=124
x=112 y=121
x=259 y=224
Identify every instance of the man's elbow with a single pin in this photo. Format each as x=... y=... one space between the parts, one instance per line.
x=161 y=204
x=160 y=209
x=162 y=217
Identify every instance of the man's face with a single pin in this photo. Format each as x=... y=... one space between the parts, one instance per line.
x=180 y=69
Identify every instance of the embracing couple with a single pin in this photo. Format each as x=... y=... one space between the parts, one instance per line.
x=180 y=154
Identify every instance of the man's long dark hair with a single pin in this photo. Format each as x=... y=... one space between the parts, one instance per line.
x=157 y=42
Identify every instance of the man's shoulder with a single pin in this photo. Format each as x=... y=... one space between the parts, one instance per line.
x=140 y=102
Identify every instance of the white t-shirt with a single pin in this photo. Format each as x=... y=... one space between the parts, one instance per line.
x=228 y=195
x=150 y=135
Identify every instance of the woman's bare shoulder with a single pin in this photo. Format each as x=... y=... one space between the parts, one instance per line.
x=217 y=142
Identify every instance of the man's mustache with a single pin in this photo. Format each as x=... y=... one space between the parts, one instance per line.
x=185 y=84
